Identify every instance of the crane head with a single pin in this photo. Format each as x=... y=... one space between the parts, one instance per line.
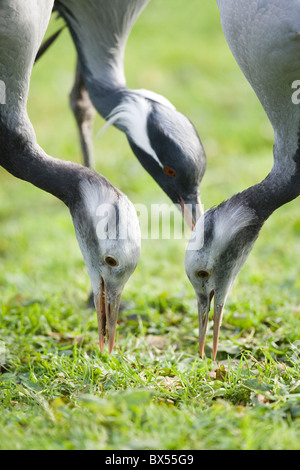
x=108 y=233
x=219 y=246
x=166 y=144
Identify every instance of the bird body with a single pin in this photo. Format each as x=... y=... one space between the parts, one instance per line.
x=164 y=140
x=110 y=260
x=264 y=36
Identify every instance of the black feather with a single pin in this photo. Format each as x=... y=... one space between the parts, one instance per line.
x=46 y=44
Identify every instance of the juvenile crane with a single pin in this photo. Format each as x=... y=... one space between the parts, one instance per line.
x=264 y=37
x=164 y=140
x=110 y=257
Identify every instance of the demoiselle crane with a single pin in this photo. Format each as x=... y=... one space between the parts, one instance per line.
x=111 y=254
x=165 y=141
x=264 y=37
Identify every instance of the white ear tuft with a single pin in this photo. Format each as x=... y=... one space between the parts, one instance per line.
x=131 y=116
x=231 y=220
x=151 y=95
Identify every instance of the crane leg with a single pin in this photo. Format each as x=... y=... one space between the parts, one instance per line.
x=84 y=113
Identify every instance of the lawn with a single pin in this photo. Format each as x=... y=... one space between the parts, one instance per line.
x=154 y=391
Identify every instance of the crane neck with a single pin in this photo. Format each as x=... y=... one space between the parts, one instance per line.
x=21 y=156
x=281 y=186
x=105 y=98
x=100 y=31
x=20 y=153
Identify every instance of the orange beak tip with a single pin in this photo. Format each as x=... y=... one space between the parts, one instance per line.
x=218 y=314
x=102 y=346
x=201 y=345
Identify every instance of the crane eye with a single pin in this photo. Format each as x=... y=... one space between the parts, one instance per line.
x=203 y=274
x=169 y=171
x=112 y=262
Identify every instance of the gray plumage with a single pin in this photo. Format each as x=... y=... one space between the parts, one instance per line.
x=90 y=197
x=264 y=36
x=164 y=140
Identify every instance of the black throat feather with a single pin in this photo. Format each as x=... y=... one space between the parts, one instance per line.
x=273 y=192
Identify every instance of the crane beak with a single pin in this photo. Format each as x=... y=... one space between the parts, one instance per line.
x=107 y=316
x=191 y=211
x=217 y=319
x=203 y=314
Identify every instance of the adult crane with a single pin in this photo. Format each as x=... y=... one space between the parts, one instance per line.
x=165 y=141
x=110 y=255
x=264 y=37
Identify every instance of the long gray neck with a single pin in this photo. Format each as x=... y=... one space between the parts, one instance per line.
x=263 y=36
x=100 y=29
x=105 y=99
x=281 y=186
x=21 y=31
x=21 y=156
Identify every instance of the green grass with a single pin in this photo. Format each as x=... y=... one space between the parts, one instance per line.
x=154 y=392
